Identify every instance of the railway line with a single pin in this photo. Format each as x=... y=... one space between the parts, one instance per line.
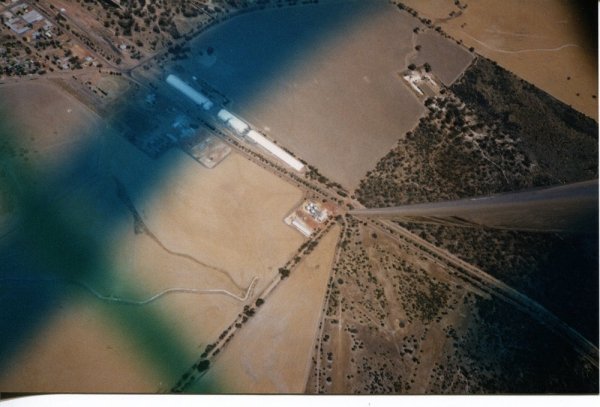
x=492 y=286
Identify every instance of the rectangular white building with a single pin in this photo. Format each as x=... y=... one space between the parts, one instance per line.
x=190 y=92
x=32 y=16
x=232 y=121
x=275 y=150
x=224 y=115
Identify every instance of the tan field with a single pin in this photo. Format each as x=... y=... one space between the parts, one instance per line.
x=338 y=103
x=335 y=110
x=448 y=60
x=48 y=123
x=272 y=352
x=79 y=351
x=213 y=231
x=539 y=40
x=229 y=217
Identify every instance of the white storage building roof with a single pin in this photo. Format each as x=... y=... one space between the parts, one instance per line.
x=224 y=115
x=32 y=16
x=234 y=122
x=238 y=125
x=275 y=150
x=190 y=92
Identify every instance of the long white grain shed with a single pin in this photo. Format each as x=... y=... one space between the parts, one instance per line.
x=232 y=121
x=275 y=150
x=190 y=92
x=224 y=115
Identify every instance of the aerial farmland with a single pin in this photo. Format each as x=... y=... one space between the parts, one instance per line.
x=211 y=196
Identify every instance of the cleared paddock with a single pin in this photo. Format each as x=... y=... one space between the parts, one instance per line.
x=321 y=80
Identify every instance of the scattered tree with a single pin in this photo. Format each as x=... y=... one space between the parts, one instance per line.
x=284 y=272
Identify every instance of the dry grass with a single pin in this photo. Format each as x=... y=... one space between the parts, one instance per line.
x=338 y=104
x=271 y=354
x=78 y=350
x=50 y=124
x=498 y=29
x=228 y=219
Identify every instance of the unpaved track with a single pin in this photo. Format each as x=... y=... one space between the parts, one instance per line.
x=494 y=287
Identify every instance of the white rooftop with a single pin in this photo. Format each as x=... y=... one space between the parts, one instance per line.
x=190 y=92
x=234 y=122
x=32 y=16
x=275 y=150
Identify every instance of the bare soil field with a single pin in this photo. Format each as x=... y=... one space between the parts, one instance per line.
x=447 y=59
x=332 y=95
x=109 y=88
x=271 y=353
x=46 y=123
x=213 y=231
x=79 y=351
x=210 y=152
x=544 y=42
x=230 y=217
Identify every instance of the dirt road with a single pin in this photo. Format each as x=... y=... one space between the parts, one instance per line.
x=491 y=285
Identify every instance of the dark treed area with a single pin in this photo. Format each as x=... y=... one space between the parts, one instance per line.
x=491 y=132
